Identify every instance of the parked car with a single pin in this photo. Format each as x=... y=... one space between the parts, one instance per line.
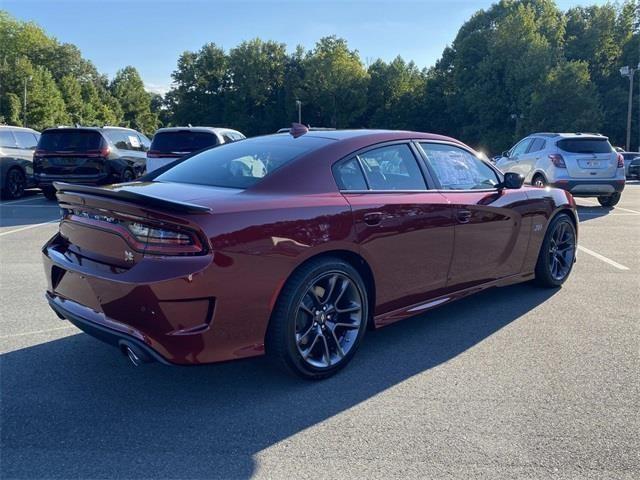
x=170 y=144
x=208 y=261
x=634 y=168
x=88 y=156
x=628 y=157
x=17 y=145
x=584 y=164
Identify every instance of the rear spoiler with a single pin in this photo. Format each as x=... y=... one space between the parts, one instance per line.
x=132 y=197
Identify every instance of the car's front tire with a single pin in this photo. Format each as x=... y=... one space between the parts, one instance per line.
x=49 y=193
x=557 y=253
x=14 y=184
x=319 y=319
x=610 y=200
x=539 y=181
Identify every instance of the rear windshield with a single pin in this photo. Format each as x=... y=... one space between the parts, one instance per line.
x=182 y=141
x=585 y=145
x=70 y=140
x=241 y=164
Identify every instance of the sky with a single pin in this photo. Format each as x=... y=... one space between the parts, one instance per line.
x=150 y=35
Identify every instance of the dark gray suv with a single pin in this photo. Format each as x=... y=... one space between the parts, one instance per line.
x=88 y=155
x=17 y=145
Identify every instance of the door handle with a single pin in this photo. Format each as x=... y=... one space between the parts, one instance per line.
x=464 y=216
x=373 y=218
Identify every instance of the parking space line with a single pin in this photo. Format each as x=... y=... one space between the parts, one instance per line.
x=30 y=206
x=35 y=332
x=13 y=202
x=603 y=258
x=2 y=234
x=616 y=207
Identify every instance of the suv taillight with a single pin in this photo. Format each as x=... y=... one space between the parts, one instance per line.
x=557 y=160
x=620 y=161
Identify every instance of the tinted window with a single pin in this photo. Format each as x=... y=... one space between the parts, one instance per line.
x=520 y=148
x=6 y=138
x=70 y=140
x=537 y=145
x=457 y=169
x=241 y=164
x=392 y=168
x=585 y=145
x=349 y=175
x=182 y=141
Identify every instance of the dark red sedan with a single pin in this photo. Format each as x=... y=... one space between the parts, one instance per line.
x=293 y=244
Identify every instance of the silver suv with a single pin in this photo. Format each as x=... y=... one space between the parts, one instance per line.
x=584 y=164
x=17 y=145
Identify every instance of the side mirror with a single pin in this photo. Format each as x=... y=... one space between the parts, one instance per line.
x=505 y=154
x=512 y=181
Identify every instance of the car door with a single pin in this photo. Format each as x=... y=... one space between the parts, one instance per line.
x=527 y=162
x=492 y=230
x=511 y=163
x=405 y=231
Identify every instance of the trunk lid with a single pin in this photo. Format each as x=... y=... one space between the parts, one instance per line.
x=588 y=157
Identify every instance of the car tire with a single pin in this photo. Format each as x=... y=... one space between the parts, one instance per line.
x=127 y=176
x=609 y=201
x=557 y=252
x=538 y=181
x=14 y=184
x=49 y=193
x=319 y=319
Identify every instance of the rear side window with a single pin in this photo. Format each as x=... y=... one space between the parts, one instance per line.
x=392 y=168
x=182 y=141
x=585 y=145
x=537 y=145
x=349 y=176
x=70 y=140
x=241 y=164
x=457 y=169
x=26 y=140
x=6 y=139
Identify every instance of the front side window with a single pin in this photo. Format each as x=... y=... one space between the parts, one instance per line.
x=241 y=164
x=520 y=148
x=457 y=169
x=26 y=140
x=392 y=168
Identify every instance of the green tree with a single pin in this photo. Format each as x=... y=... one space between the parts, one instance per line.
x=45 y=107
x=335 y=84
x=566 y=101
x=127 y=87
x=71 y=92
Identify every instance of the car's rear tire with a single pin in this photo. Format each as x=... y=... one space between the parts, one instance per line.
x=14 y=184
x=49 y=193
x=127 y=176
x=610 y=200
x=319 y=319
x=538 y=181
x=557 y=253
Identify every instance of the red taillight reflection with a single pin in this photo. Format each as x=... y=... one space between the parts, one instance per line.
x=557 y=160
x=620 y=161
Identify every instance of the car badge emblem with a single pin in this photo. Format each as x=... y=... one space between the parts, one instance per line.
x=128 y=256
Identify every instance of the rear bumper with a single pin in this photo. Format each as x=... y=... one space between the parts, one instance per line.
x=89 y=322
x=44 y=180
x=590 y=188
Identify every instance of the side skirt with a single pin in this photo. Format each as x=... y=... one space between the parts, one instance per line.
x=388 y=318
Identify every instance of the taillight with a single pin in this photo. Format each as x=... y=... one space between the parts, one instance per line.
x=159 y=236
x=105 y=151
x=557 y=160
x=620 y=161
x=153 y=154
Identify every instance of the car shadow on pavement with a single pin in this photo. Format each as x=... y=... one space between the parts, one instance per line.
x=73 y=408
x=589 y=213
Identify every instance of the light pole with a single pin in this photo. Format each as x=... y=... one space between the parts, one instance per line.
x=24 y=103
x=299 y=105
x=629 y=72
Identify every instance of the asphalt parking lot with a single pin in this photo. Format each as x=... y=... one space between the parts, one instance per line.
x=516 y=382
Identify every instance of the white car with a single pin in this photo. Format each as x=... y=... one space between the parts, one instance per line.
x=584 y=164
x=170 y=144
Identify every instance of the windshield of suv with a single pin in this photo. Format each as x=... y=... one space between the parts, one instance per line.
x=585 y=145
x=70 y=140
x=182 y=141
x=241 y=164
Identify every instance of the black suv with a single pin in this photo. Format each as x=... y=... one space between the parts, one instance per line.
x=88 y=155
